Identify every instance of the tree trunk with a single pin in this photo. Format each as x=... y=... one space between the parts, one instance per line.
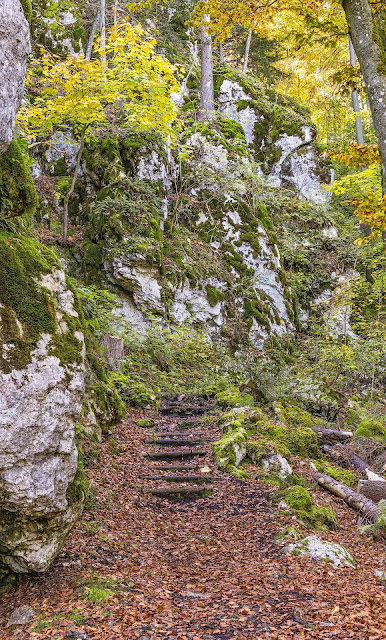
x=114 y=351
x=372 y=489
x=103 y=28
x=207 y=86
x=247 y=48
x=354 y=499
x=92 y=34
x=71 y=191
x=360 y=23
x=355 y=99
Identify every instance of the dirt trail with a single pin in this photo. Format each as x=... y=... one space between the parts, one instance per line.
x=202 y=568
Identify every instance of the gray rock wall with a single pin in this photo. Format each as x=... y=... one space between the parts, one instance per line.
x=14 y=51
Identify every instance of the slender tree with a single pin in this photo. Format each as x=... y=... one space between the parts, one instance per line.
x=247 y=48
x=207 y=83
x=355 y=99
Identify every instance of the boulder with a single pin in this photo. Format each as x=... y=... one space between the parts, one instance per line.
x=319 y=549
x=41 y=394
x=14 y=51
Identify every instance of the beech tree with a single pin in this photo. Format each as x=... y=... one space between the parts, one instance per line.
x=362 y=17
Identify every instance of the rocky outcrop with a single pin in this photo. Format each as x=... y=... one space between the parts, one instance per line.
x=14 y=51
x=41 y=393
x=288 y=157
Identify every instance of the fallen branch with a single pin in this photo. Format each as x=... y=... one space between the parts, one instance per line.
x=351 y=460
x=354 y=499
x=333 y=435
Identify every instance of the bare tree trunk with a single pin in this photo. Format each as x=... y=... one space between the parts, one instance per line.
x=207 y=86
x=355 y=99
x=360 y=23
x=103 y=28
x=92 y=34
x=71 y=191
x=247 y=48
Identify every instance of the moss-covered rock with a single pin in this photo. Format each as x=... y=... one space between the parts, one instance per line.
x=231 y=450
x=17 y=191
x=312 y=516
x=372 y=429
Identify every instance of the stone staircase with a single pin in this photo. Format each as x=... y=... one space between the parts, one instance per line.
x=179 y=451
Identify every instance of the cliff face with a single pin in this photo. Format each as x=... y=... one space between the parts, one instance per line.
x=14 y=51
x=41 y=391
x=41 y=351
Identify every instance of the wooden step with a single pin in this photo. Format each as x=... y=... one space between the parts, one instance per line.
x=177 y=410
x=176 y=434
x=163 y=491
x=175 y=467
x=179 y=478
x=181 y=442
x=178 y=453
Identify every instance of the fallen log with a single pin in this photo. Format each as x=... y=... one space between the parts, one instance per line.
x=373 y=489
x=352 y=460
x=354 y=499
x=333 y=435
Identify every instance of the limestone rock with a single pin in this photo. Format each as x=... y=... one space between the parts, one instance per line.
x=40 y=402
x=14 y=51
x=21 y=615
x=319 y=549
x=134 y=274
x=278 y=462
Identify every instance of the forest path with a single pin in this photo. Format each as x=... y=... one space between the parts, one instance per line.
x=144 y=567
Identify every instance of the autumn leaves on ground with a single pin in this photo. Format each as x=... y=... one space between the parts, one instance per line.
x=138 y=566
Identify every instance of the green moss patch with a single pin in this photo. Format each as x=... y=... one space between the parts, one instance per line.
x=28 y=309
x=312 y=516
x=17 y=190
x=371 y=429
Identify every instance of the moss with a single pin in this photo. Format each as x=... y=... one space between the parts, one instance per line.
x=371 y=429
x=145 y=423
x=342 y=475
x=17 y=190
x=214 y=295
x=302 y=442
x=26 y=310
x=298 y=499
x=312 y=516
x=27 y=8
x=232 y=397
x=256 y=451
x=229 y=448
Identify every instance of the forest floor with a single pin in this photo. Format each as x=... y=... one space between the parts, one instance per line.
x=143 y=567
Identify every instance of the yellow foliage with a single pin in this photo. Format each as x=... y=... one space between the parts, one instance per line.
x=132 y=87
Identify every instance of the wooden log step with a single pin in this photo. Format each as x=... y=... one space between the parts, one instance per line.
x=178 y=453
x=181 y=442
x=184 y=411
x=176 y=434
x=175 y=467
x=164 y=491
x=179 y=478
